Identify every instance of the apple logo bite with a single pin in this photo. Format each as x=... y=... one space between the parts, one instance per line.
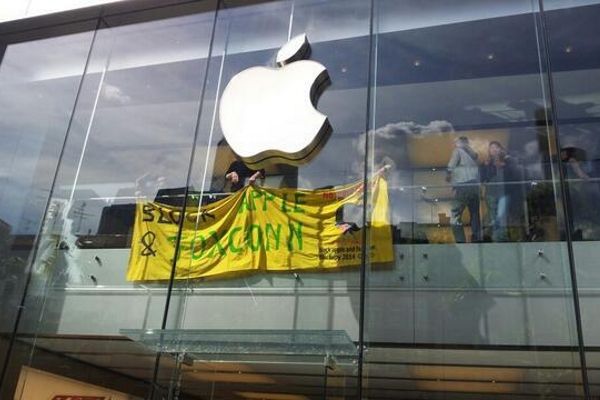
x=268 y=115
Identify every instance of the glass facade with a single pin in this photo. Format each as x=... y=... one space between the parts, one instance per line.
x=439 y=242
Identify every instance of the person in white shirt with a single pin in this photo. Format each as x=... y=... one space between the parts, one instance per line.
x=463 y=173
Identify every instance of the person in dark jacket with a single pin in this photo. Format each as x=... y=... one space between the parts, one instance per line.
x=583 y=193
x=501 y=174
x=239 y=175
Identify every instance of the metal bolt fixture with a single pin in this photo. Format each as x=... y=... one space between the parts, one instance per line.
x=425 y=255
x=543 y=276
x=426 y=277
x=540 y=253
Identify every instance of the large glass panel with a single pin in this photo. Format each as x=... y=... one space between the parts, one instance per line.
x=479 y=301
x=573 y=49
x=130 y=140
x=275 y=263
x=168 y=266
x=38 y=85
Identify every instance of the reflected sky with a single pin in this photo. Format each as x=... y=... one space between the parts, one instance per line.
x=33 y=121
x=474 y=74
x=17 y=9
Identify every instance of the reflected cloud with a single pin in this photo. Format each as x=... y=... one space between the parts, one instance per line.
x=412 y=128
x=391 y=143
x=114 y=94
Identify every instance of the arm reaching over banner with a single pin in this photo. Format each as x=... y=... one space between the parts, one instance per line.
x=238 y=173
x=381 y=170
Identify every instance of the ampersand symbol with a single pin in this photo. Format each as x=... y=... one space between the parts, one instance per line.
x=148 y=240
x=204 y=214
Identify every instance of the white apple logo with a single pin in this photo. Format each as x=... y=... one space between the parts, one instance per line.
x=268 y=114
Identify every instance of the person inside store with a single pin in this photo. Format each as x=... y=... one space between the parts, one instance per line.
x=584 y=193
x=463 y=174
x=239 y=174
x=575 y=163
x=501 y=174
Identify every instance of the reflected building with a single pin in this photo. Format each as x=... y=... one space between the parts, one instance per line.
x=130 y=268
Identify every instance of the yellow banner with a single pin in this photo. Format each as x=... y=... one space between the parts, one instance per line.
x=261 y=229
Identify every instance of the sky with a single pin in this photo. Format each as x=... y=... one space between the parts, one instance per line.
x=17 y=9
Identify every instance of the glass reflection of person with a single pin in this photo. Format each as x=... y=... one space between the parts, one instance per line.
x=571 y=157
x=463 y=173
x=583 y=195
x=238 y=172
x=349 y=216
x=499 y=170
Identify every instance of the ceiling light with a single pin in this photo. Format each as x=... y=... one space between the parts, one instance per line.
x=270 y=396
x=238 y=377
